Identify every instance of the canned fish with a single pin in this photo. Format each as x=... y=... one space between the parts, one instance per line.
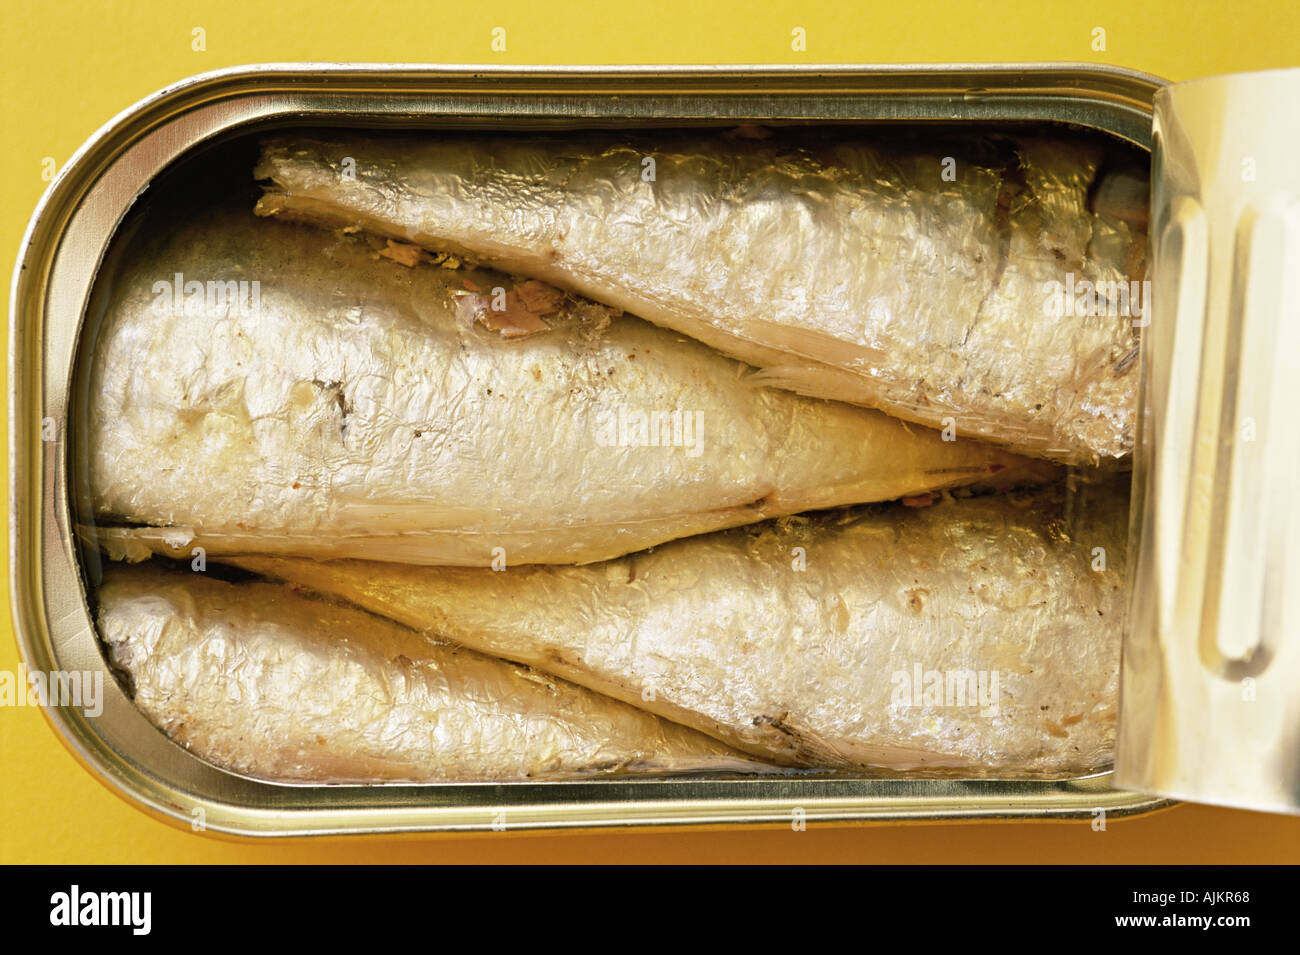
x=680 y=753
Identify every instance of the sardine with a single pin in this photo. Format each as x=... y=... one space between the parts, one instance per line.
x=944 y=283
x=265 y=387
x=277 y=685
x=977 y=635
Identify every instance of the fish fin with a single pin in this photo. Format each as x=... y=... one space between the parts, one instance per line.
x=813 y=381
x=817 y=346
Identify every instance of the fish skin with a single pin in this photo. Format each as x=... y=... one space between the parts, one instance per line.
x=722 y=632
x=849 y=270
x=356 y=413
x=270 y=683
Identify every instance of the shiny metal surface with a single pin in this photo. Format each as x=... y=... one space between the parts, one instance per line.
x=1211 y=692
x=68 y=236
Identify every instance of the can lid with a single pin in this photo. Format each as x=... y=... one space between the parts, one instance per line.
x=1210 y=682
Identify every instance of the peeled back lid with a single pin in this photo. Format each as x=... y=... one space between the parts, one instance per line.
x=1210 y=683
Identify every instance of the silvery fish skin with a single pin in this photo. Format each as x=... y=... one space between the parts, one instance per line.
x=273 y=684
x=817 y=641
x=887 y=274
x=357 y=408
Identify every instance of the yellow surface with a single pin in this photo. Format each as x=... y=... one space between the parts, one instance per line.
x=70 y=66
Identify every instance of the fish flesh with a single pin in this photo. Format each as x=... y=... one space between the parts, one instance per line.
x=856 y=270
x=261 y=387
x=279 y=685
x=978 y=635
x=985 y=283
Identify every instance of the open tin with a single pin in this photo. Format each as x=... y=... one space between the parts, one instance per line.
x=1190 y=482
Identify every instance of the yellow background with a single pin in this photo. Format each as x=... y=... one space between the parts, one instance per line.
x=70 y=66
